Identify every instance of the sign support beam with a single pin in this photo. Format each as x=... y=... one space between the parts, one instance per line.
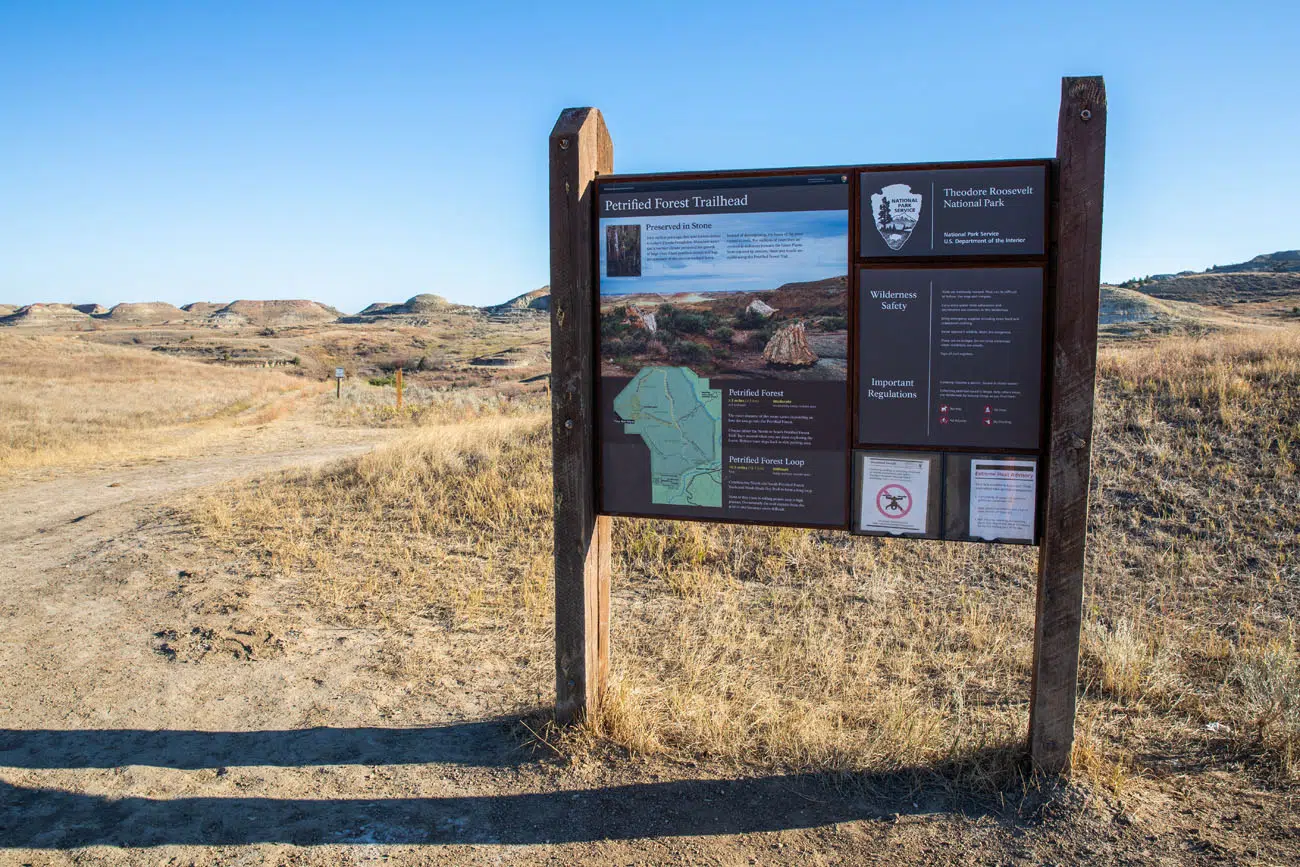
x=580 y=149
x=1081 y=155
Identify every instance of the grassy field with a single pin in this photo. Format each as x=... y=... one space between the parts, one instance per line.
x=68 y=403
x=791 y=649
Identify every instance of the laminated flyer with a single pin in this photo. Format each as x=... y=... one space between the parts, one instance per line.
x=1002 y=498
x=895 y=494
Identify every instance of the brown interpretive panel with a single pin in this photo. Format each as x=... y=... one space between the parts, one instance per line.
x=723 y=340
x=950 y=357
x=969 y=211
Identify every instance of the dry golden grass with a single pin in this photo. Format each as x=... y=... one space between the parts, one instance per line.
x=361 y=404
x=64 y=402
x=793 y=649
x=443 y=524
x=1194 y=589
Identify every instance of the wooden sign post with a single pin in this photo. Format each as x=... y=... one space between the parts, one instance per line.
x=1081 y=161
x=580 y=148
x=995 y=451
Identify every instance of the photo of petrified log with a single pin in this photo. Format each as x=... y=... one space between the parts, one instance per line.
x=789 y=348
x=643 y=319
x=623 y=251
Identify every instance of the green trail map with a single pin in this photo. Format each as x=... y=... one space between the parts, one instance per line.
x=679 y=418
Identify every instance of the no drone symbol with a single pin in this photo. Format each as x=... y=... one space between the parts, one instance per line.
x=894 y=501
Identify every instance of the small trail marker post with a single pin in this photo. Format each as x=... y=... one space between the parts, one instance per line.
x=399 y=389
x=884 y=444
x=338 y=383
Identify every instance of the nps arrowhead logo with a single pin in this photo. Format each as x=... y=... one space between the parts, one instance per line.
x=896 y=211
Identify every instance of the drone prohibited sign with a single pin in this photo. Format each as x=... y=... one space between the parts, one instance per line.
x=894 y=501
x=896 y=494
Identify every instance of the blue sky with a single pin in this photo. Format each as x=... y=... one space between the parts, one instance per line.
x=354 y=152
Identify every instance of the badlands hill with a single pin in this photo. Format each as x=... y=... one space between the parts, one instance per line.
x=1226 y=287
x=237 y=314
x=1267 y=277
x=146 y=313
x=538 y=299
x=261 y=314
x=1130 y=313
x=418 y=305
x=423 y=305
x=200 y=309
x=280 y=313
x=45 y=316
x=1283 y=261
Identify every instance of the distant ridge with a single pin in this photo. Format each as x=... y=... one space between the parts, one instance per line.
x=1267 y=277
x=1283 y=261
x=538 y=299
x=45 y=315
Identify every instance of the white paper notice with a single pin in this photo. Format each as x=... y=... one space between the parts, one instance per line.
x=1002 y=501
x=895 y=494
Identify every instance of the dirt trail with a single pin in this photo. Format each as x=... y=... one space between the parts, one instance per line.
x=80 y=564
x=61 y=505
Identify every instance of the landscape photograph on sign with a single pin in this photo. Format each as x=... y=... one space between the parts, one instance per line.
x=750 y=295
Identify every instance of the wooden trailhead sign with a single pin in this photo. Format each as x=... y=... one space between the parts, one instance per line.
x=894 y=350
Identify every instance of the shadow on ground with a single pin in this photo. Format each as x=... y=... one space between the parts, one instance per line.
x=44 y=818
x=483 y=744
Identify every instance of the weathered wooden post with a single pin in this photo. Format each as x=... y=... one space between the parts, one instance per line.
x=580 y=148
x=1081 y=156
x=399 y=389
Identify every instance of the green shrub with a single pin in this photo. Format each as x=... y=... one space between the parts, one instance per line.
x=612 y=323
x=691 y=352
x=670 y=318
